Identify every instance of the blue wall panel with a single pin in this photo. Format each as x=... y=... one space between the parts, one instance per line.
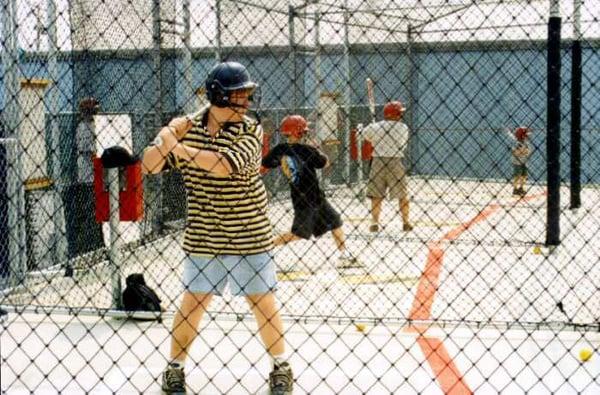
x=463 y=100
x=4 y=231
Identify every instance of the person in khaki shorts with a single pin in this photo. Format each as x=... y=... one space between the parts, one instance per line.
x=387 y=176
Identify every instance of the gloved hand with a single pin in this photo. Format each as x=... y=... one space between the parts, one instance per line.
x=359 y=129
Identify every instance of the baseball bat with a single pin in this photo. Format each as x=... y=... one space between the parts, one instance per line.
x=371 y=97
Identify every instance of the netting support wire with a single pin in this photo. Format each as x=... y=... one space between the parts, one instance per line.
x=318 y=82
x=155 y=193
x=553 y=125
x=10 y=115
x=388 y=322
x=459 y=8
x=317 y=66
x=87 y=312
x=17 y=265
x=292 y=42
x=60 y=233
x=218 y=30
x=411 y=93
x=345 y=157
x=188 y=81
x=114 y=256
x=576 y=71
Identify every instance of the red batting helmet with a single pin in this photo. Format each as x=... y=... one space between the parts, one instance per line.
x=521 y=133
x=393 y=110
x=294 y=125
x=89 y=106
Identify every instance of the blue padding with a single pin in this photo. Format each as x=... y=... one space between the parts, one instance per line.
x=4 y=233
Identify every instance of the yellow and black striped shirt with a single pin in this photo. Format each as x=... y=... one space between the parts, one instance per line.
x=226 y=214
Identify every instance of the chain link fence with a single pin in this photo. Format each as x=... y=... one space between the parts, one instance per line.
x=494 y=286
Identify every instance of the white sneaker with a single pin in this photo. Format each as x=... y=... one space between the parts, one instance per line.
x=347 y=261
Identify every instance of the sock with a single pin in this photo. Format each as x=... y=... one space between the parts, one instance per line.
x=177 y=364
x=279 y=359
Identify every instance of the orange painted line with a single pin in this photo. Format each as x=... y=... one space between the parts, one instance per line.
x=450 y=379
x=454 y=233
x=430 y=279
x=428 y=284
x=533 y=197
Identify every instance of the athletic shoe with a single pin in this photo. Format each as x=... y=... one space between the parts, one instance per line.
x=173 y=381
x=281 y=380
x=349 y=262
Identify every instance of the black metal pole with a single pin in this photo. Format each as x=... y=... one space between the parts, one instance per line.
x=576 y=75
x=576 y=125
x=553 y=129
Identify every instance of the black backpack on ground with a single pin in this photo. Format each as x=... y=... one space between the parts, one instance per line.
x=137 y=296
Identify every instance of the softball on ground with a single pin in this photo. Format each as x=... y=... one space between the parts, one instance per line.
x=585 y=354
x=537 y=250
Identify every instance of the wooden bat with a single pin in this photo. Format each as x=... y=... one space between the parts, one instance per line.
x=371 y=97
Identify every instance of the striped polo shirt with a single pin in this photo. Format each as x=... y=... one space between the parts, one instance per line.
x=227 y=215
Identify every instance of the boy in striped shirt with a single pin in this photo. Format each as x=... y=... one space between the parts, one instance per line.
x=228 y=235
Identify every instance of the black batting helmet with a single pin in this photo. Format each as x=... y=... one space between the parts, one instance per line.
x=225 y=78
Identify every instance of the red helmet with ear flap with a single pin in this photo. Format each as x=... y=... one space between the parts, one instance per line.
x=521 y=133
x=393 y=110
x=89 y=106
x=294 y=125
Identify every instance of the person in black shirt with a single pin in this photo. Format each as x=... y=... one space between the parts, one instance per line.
x=313 y=214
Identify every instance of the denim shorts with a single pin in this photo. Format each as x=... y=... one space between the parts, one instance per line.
x=245 y=274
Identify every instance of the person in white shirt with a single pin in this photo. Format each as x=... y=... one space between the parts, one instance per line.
x=387 y=175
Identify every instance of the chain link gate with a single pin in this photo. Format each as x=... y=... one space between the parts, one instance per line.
x=494 y=289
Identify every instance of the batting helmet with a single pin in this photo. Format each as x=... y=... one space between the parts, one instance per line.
x=117 y=156
x=225 y=78
x=393 y=110
x=89 y=106
x=521 y=133
x=294 y=125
